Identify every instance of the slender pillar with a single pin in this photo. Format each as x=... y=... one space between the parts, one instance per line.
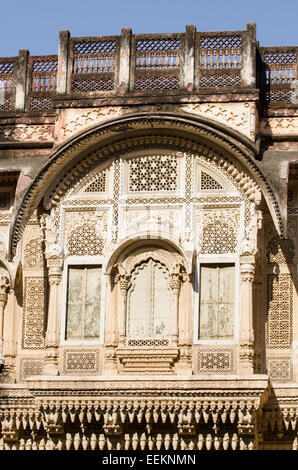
x=10 y=343
x=4 y=287
x=175 y=286
x=123 y=286
x=246 y=336
x=54 y=309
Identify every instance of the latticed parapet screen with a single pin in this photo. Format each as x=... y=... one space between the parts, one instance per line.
x=157 y=61
x=220 y=59
x=94 y=64
x=43 y=81
x=6 y=83
x=281 y=69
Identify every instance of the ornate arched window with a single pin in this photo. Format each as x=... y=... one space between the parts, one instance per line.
x=148 y=281
x=149 y=301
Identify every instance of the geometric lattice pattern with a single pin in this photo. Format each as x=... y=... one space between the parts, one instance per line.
x=280 y=250
x=148 y=342
x=41 y=102
x=279 y=94
x=274 y=56
x=5 y=200
x=280 y=73
x=215 y=361
x=220 y=60
x=6 y=67
x=153 y=173
x=98 y=185
x=93 y=65
x=35 y=306
x=220 y=80
x=6 y=84
x=80 y=362
x=92 y=84
x=280 y=369
x=208 y=182
x=279 y=327
x=43 y=81
x=33 y=254
x=157 y=45
x=157 y=54
x=219 y=237
x=222 y=42
x=30 y=366
x=157 y=82
x=45 y=65
x=84 y=241
x=101 y=47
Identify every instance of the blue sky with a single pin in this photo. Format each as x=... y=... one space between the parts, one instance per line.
x=35 y=24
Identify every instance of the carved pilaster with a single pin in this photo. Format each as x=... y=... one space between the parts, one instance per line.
x=54 y=257
x=4 y=288
x=175 y=283
x=246 y=334
x=124 y=283
x=54 y=309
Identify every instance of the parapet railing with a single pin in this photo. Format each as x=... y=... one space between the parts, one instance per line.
x=7 y=67
x=93 y=64
x=280 y=69
x=42 y=74
x=202 y=62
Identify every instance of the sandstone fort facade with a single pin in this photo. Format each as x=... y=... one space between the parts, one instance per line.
x=148 y=244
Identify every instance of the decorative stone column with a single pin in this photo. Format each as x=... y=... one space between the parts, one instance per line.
x=124 y=284
x=4 y=288
x=10 y=343
x=54 y=310
x=175 y=284
x=246 y=334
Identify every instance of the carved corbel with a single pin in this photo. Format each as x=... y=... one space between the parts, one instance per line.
x=53 y=248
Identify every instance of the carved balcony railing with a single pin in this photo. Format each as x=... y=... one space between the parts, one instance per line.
x=43 y=80
x=220 y=59
x=7 y=66
x=140 y=64
x=156 y=61
x=93 y=64
x=280 y=65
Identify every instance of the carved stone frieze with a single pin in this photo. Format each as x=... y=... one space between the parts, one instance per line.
x=279 y=126
x=238 y=116
x=74 y=121
x=217 y=420
x=27 y=133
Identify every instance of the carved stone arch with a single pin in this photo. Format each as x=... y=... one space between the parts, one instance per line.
x=98 y=142
x=169 y=259
x=133 y=250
